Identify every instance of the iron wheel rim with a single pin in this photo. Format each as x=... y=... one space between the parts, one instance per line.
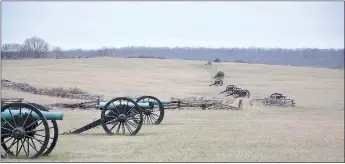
x=30 y=129
x=114 y=116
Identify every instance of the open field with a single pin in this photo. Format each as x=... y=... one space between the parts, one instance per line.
x=313 y=131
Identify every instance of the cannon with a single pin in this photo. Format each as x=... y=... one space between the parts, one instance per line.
x=28 y=130
x=219 y=75
x=229 y=89
x=275 y=99
x=121 y=113
x=152 y=107
x=232 y=90
x=25 y=126
x=219 y=79
x=126 y=113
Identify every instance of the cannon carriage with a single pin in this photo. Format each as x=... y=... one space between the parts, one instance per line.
x=275 y=99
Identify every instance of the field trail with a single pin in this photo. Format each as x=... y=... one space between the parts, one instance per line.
x=313 y=131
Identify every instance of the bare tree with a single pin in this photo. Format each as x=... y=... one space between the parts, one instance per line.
x=57 y=49
x=10 y=50
x=36 y=46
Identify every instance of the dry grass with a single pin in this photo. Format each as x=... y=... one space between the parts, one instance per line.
x=313 y=131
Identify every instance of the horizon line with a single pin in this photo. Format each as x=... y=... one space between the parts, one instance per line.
x=203 y=47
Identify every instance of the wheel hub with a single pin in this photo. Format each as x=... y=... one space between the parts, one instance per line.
x=147 y=112
x=18 y=133
x=122 y=118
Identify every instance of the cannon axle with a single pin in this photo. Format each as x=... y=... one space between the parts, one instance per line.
x=18 y=133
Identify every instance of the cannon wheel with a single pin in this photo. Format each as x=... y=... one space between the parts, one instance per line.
x=20 y=125
x=54 y=127
x=123 y=116
x=152 y=115
x=221 y=83
x=218 y=82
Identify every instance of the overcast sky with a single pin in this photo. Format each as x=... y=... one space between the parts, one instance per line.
x=91 y=25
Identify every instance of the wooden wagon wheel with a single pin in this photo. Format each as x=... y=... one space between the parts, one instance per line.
x=218 y=82
x=54 y=126
x=20 y=126
x=154 y=114
x=123 y=113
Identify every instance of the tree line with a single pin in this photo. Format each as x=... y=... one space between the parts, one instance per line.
x=33 y=47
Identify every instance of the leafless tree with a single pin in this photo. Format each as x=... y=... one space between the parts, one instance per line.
x=10 y=50
x=35 y=46
x=57 y=49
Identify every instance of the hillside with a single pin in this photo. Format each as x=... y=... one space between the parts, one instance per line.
x=326 y=58
x=313 y=131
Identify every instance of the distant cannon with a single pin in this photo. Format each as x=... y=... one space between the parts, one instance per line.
x=219 y=75
x=277 y=100
x=240 y=93
x=236 y=92
x=219 y=79
x=229 y=89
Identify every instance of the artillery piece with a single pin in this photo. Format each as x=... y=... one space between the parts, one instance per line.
x=232 y=90
x=275 y=99
x=153 y=108
x=219 y=79
x=127 y=112
x=219 y=75
x=22 y=122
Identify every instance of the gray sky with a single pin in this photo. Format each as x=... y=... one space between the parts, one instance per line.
x=91 y=25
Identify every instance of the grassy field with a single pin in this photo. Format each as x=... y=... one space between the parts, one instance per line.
x=313 y=131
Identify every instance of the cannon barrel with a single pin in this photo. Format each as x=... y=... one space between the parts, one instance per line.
x=112 y=105
x=48 y=115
